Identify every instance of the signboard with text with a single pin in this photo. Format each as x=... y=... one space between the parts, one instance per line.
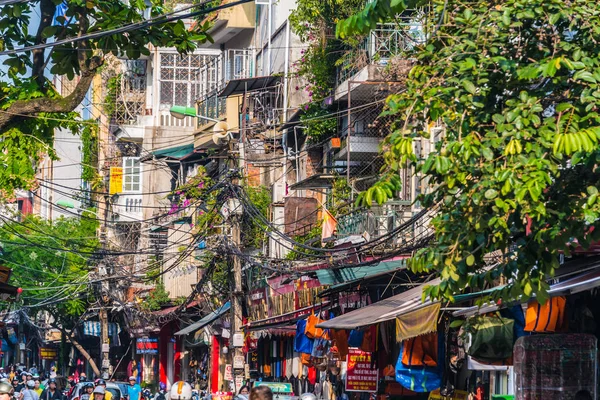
x=361 y=376
x=116 y=180
x=146 y=346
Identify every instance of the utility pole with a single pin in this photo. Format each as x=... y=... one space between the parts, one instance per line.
x=103 y=314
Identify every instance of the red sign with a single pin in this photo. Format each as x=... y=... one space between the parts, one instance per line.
x=361 y=376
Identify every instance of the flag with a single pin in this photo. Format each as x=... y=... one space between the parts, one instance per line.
x=329 y=225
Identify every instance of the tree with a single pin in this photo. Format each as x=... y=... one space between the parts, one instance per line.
x=515 y=83
x=30 y=107
x=50 y=261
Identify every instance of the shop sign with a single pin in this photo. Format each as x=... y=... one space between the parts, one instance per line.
x=48 y=353
x=228 y=372
x=239 y=382
x=116 y=180
x=146 y=346
x=238 y=362
x=361 y=377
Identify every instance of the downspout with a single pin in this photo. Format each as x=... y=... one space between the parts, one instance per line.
x=270 y=17
x=285 y=98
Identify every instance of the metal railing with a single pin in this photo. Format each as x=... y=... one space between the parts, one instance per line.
x=383 y=43
x=380 y=220
x=214 y=75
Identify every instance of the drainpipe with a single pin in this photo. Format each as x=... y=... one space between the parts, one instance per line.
x=270 y=21
x=285 y=97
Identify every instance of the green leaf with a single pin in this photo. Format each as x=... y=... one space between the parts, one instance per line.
x=584 y=76
x=491 y=194
x=470 y=260
x=592 y=190
x=457 y=323
x=469 y=86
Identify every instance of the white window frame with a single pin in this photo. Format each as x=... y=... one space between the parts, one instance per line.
x=126 y=175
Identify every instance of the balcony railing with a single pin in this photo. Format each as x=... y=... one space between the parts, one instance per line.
x=214 y=75
x=383 y=43
x=381 y=220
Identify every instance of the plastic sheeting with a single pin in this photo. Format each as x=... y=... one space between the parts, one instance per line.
x=555 y=366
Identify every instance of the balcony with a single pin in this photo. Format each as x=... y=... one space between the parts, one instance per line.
x=374 y=59
x=380 y=220
x=214 y=75
x=129 y=207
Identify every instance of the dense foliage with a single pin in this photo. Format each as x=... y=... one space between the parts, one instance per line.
x=53 y=278
x=515 y=84
x=30 y=107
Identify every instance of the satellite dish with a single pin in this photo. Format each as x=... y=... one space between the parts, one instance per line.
x=220 y=133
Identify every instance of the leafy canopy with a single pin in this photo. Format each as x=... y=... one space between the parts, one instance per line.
x=50 y=261
x=516 y=84
x=30 y=107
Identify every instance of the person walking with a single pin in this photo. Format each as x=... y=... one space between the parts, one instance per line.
x=134 y=391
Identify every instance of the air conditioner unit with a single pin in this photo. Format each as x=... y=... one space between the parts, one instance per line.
x=277 y=192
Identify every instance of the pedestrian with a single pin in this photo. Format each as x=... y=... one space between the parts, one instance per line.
x=162 y=392
x=28 y=393
x=51 y=392
x=6 y=390
x=99 y=393
x=134 y=391
x=107 y=393
x=261 y=393
x=583 y=395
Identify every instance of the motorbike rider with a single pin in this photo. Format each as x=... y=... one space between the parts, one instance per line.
x=88 y=389
x=162 y=392
x=6 y=390
x=29 y=393
x=180 y=390
x=51 y=392
x=102 y=383
x=99 y=393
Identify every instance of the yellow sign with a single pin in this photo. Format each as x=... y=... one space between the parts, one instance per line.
x=116 y=180
x=457 y=395
x=48 y=353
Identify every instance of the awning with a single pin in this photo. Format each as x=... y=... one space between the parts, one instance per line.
x=176 y=153
x=383 y=310
x=579 y=283
x=213 y=316
x=317 y=181
x=239 y=86
x=354 y=274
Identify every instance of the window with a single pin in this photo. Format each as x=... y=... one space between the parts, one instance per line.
x=131 y=174
x=179 y=78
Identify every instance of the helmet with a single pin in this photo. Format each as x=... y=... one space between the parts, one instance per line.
x=100 y=382
x=88 y=384
x=99 y=389
x=6 y=387
x=30 y=383
x=308 y=396
x=162 y=386
x=51 y=380
x=181 y=391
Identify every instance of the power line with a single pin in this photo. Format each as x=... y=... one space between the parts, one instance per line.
x=138 y=25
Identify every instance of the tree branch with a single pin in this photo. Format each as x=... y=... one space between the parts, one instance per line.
x=47 y=10
x=32 y=107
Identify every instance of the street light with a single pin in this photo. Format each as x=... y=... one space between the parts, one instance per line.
x=180 y=112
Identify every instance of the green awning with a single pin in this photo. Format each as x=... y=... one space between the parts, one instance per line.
x=338 y=276
x=176 y=152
